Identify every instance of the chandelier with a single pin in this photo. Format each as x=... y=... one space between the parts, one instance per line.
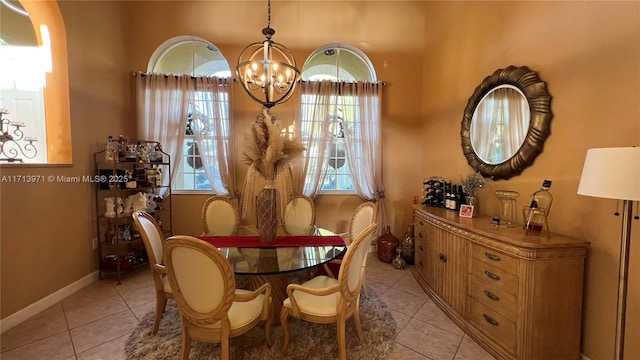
x=267 y=70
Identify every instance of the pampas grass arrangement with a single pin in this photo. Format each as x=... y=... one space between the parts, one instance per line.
x=268 y=149
x=268 y=152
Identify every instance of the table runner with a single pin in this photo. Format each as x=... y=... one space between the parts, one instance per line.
x=281 y=241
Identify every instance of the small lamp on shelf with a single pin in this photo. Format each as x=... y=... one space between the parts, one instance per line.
x=614 y=173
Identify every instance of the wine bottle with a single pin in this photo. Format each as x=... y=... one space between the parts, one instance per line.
x=455 y=198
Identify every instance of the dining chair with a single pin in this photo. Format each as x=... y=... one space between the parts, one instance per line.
x=326 y=300
x=300 y=213
x=364 y=215
x=211 y=308
x=152 y=239
x=219 y=216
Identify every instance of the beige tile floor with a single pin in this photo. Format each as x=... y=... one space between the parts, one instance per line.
x=94 y=323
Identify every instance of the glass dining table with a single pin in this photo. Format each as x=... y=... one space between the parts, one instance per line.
x=297 y=250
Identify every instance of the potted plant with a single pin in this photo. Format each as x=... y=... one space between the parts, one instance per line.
x=471 y=184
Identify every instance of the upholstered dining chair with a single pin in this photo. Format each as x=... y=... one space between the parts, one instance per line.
x=299 y=213
x=326 y=300
x=364 y=215
x=152 y=239
x=211 y=307
x=219 y=216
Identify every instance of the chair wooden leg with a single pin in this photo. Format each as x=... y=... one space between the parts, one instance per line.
x=224 y=344
x=186 y=344
x=356 y=318
x=267 y=325
x=342 y=339
x=161 y=303
x=284 y=314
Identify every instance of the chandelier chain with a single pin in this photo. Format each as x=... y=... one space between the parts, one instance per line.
x=268 y=13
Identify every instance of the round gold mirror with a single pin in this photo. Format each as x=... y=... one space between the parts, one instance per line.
x=506 y=122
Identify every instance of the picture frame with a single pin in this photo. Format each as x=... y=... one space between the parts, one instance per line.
x=466 y=211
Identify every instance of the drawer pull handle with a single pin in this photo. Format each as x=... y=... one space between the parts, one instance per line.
x=421 y=247
x=491 y=275
x=420 y=222
x=419 y=234
x=490 y=320
x=491 y=296
x=421 y=264
x=490 y=256
x=443 y=257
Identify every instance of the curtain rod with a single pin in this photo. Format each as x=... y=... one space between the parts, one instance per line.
x=135 y=73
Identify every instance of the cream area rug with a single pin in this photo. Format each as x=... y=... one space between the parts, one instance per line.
x=308 y=341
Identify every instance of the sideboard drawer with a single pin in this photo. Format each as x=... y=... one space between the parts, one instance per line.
x=493 y=324
x=495 y=276
x=494 y=258
x=494 y=297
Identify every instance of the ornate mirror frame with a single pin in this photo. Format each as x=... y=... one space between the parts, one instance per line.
x=535 y=91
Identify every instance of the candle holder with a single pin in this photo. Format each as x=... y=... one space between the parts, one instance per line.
x=14 y=145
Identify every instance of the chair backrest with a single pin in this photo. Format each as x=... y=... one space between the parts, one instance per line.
x=151 y=235
x=363 y=216
x=350 y=277
x=219 y=216
x=201 y=278
x=300 y=213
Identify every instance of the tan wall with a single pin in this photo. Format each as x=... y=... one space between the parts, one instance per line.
x=589 y=55
x=433 y=54
x=46 y=228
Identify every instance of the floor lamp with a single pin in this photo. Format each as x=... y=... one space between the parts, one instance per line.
x=614 y=173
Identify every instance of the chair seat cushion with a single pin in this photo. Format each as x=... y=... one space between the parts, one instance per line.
x=316 y=305
x=242 y=313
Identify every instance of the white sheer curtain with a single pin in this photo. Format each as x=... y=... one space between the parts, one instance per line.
x=362 y=132
x=213 y=133
x=162 y=102
x=361 y=105
x=318 y=103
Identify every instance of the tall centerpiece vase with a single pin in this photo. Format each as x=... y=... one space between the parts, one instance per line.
x=268 y=212
x=473 y=201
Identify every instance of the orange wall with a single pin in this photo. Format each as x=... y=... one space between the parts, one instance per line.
x=589 y=55
x=432 y=54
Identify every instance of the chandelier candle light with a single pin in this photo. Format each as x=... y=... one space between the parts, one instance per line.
x=267 y=70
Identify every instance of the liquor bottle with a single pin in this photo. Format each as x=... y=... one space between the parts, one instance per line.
x=543 y=197
x=111 y=152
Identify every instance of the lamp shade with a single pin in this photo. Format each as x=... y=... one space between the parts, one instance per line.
x=612 y=173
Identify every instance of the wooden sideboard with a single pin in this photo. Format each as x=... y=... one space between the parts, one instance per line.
x=517 y=295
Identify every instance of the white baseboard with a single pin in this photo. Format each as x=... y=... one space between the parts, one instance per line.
x=21 y=315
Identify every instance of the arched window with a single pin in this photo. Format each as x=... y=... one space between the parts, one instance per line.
x=34 y=84
x=333 y=105
x=196 y=57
